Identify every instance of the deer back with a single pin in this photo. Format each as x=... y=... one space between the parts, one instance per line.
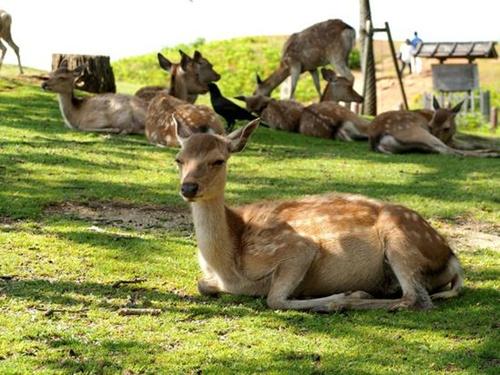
x=283 y=115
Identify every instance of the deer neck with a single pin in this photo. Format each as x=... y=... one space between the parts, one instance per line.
x=218 y=240
x=69 y=108
x=278 y=76
x=178 y=87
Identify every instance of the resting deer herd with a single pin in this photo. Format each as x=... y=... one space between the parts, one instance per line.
x=324 y=252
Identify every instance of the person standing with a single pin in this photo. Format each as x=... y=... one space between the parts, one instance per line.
x=405 y=56
x=416 y=62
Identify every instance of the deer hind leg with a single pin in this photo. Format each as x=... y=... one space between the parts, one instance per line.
x=288 y=275
x=4 y=50
x=315 y=77
x=14 y=46
x=295 y=71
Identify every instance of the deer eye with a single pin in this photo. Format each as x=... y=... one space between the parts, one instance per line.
x=218 y=162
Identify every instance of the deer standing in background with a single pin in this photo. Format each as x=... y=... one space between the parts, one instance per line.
x=188 y=79
x=332 y=121
x=309 y=253
x=328 y=42
x=165 y=110
x=279 y=114
x=103 y=113
x=6 y=35
x=397 y=132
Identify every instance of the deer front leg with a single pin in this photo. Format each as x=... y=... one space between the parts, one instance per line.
x=4 y=50
x=315 y=77
x=295 y=71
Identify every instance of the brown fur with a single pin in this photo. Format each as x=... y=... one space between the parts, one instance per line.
x=328 y=42
x=6 y=35
x=308 y=253
x=338 y=89
x=160 y=126
x=108 y=113
x=188 y=79
x=422 y=130
x=330 y=120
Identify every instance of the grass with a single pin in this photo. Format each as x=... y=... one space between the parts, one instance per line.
x=58 y=315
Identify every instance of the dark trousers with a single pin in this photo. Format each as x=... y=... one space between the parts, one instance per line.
x=403 y=66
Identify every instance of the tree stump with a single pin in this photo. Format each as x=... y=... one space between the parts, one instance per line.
x=98 y=76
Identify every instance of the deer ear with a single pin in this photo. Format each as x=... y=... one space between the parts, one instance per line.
x=165 y=63
x=185 y=60
x=79 y=70
x=239 y=138
x=240 y=97
x=259 y=80
x=435 y=103
x=197 y=55
x=63 y=64
x=458 y=107
x=182 y=131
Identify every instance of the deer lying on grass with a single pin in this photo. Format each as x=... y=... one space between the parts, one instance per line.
x=328 y=42
x=330 y=120
x=397 y=132
x=6 y=35
x=188 y=79
x=164 y=110
x=312 y=252
x=279 y=114
x=104 y=113
x=338 y=88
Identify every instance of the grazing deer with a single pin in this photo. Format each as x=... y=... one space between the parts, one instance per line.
x=328 y=42
x=105 y=113
x=338 y=89
x=5 y=34
x=279 y=114
x=163 y=112
x=330 y=120
x=312 y=252
x=397 y=132
x=188 y=78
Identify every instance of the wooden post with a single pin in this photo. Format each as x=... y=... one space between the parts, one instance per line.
x=98 y=76
x=396 y=67
x=494 y=119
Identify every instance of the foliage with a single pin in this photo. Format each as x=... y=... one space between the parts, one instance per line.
x=237 y=60
x=58 y=314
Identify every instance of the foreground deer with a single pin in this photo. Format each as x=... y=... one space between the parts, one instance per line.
x=338 y=89
x=188 y=79
x=332 y=121
x=108 y=113
x=328 y=42
x=164 y=110
x=5 y=34
x=279 y=114
x=397 y=132
x=309 y=253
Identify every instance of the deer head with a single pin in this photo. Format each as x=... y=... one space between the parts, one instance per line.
x=62 y=80
x=442 y=124
x=339 y=88
x=206 y=71
x=203 y=157
x=255 y=103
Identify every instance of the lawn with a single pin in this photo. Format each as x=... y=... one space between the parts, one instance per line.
x=80 y=212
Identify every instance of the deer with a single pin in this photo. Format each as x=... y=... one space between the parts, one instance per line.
x=6 y=35
x=327 y=42
x=338 y=88
x=165 y=110
x=188 y=79
x=321 y=252
x=102 y=113
x=332 y=121
x=429 y=131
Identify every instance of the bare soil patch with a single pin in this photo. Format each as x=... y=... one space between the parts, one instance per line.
x=468 y=235
x=125 y=215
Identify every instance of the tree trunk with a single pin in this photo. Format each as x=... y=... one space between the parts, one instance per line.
x=98 y=76
x=368 y=59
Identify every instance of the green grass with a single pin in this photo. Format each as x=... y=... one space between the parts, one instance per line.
x=63 y=263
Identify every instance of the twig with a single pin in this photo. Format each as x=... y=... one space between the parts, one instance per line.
x=133 y=281
x=136 y=311
x=7 y=277
x=50 y=312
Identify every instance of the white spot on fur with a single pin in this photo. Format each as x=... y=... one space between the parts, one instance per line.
x=66 y=121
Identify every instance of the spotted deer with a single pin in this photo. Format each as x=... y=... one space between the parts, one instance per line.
x=332 y=121
x=6 y=35
x=103 y=113
x=165 y=110
x=327 y=42
x=321 y=252
x=279 y=114
x=338 y=89
x=188 y=79
x=397 y=132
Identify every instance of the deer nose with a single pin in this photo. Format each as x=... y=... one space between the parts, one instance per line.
x=189 y=189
